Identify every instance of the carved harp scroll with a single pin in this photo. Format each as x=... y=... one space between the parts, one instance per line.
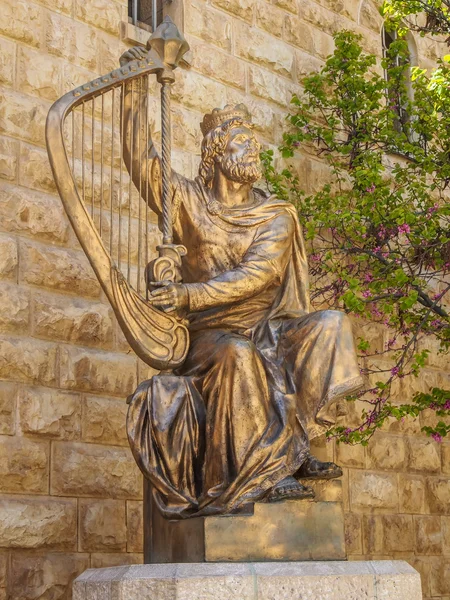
x=104 y=203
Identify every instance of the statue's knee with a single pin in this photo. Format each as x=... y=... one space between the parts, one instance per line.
x=333 y=317
x=239 y=349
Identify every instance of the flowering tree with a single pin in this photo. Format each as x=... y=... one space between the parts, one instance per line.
x=379 y=231
x=424 y=16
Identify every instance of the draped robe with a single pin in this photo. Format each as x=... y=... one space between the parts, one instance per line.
x=262 y=372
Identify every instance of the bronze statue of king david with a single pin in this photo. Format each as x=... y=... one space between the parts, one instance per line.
x=249 y=375
x=232 y=425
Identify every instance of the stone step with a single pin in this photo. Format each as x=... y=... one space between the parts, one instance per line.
x=371 y=580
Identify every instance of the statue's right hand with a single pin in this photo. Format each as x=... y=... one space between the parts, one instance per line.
x=135 y=53
x=169 y=296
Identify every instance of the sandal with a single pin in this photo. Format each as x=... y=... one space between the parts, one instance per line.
x=313 y=468
x=289 y=489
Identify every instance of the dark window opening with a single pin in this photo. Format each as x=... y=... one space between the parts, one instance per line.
x=147 y=12
x=402 y=116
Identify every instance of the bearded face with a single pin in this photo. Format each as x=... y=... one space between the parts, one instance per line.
x=241 y=170
x=240 y=161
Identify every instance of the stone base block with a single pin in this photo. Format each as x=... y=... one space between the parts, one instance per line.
x=285 y=531
x=291 y=530
x=372 y=580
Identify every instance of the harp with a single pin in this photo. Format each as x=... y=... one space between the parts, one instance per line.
x=103 y=200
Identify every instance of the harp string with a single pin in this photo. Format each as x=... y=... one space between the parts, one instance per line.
x=146 y=182
x=73 y=141
x=122 y=126
x=82 y=151
x=111 y=192
x=131 y=185
x=102 y=136
x=93 y=157
x=140 y=187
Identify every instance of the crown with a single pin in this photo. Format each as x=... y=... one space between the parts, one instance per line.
x=220 y=115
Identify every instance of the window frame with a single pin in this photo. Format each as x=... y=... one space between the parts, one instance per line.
x=134 y=12
x=138 y=34
x=402 y=114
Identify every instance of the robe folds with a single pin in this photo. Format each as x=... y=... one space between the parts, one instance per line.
x=262 y=372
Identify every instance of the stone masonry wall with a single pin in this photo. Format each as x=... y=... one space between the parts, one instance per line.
x=71 y=495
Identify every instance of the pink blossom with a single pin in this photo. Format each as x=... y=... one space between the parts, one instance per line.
x=314 y=257
x=366 y=294
x=405 y=228
x=377 y=249
x=436 y=437
x=371 y=189
x=395 y=371
x=371 y=419
x=368 y=277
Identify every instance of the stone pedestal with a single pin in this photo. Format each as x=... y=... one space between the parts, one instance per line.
x=283 y=531
x=374 y=580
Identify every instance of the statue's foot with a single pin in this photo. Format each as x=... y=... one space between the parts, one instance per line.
x=289 y=489
x=313 y=468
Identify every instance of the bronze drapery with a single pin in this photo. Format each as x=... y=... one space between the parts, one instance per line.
x=261 y=374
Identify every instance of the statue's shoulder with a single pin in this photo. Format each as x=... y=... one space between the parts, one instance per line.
x=272 y=203
x=278 y=216
x=269 y=199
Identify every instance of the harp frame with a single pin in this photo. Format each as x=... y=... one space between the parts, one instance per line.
x=159 y=339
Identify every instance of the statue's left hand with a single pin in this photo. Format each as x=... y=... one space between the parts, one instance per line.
x=169 y=296
x=135 y=53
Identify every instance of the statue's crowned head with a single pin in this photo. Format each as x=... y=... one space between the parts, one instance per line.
x=229 y=144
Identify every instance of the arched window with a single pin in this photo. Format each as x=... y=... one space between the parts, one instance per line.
x=147 y=12
x=388 y=37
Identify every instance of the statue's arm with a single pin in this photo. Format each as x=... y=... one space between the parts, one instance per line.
x=139 y=153
x=263 y=264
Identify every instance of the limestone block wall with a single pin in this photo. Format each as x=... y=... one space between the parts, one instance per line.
x=71 y=496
